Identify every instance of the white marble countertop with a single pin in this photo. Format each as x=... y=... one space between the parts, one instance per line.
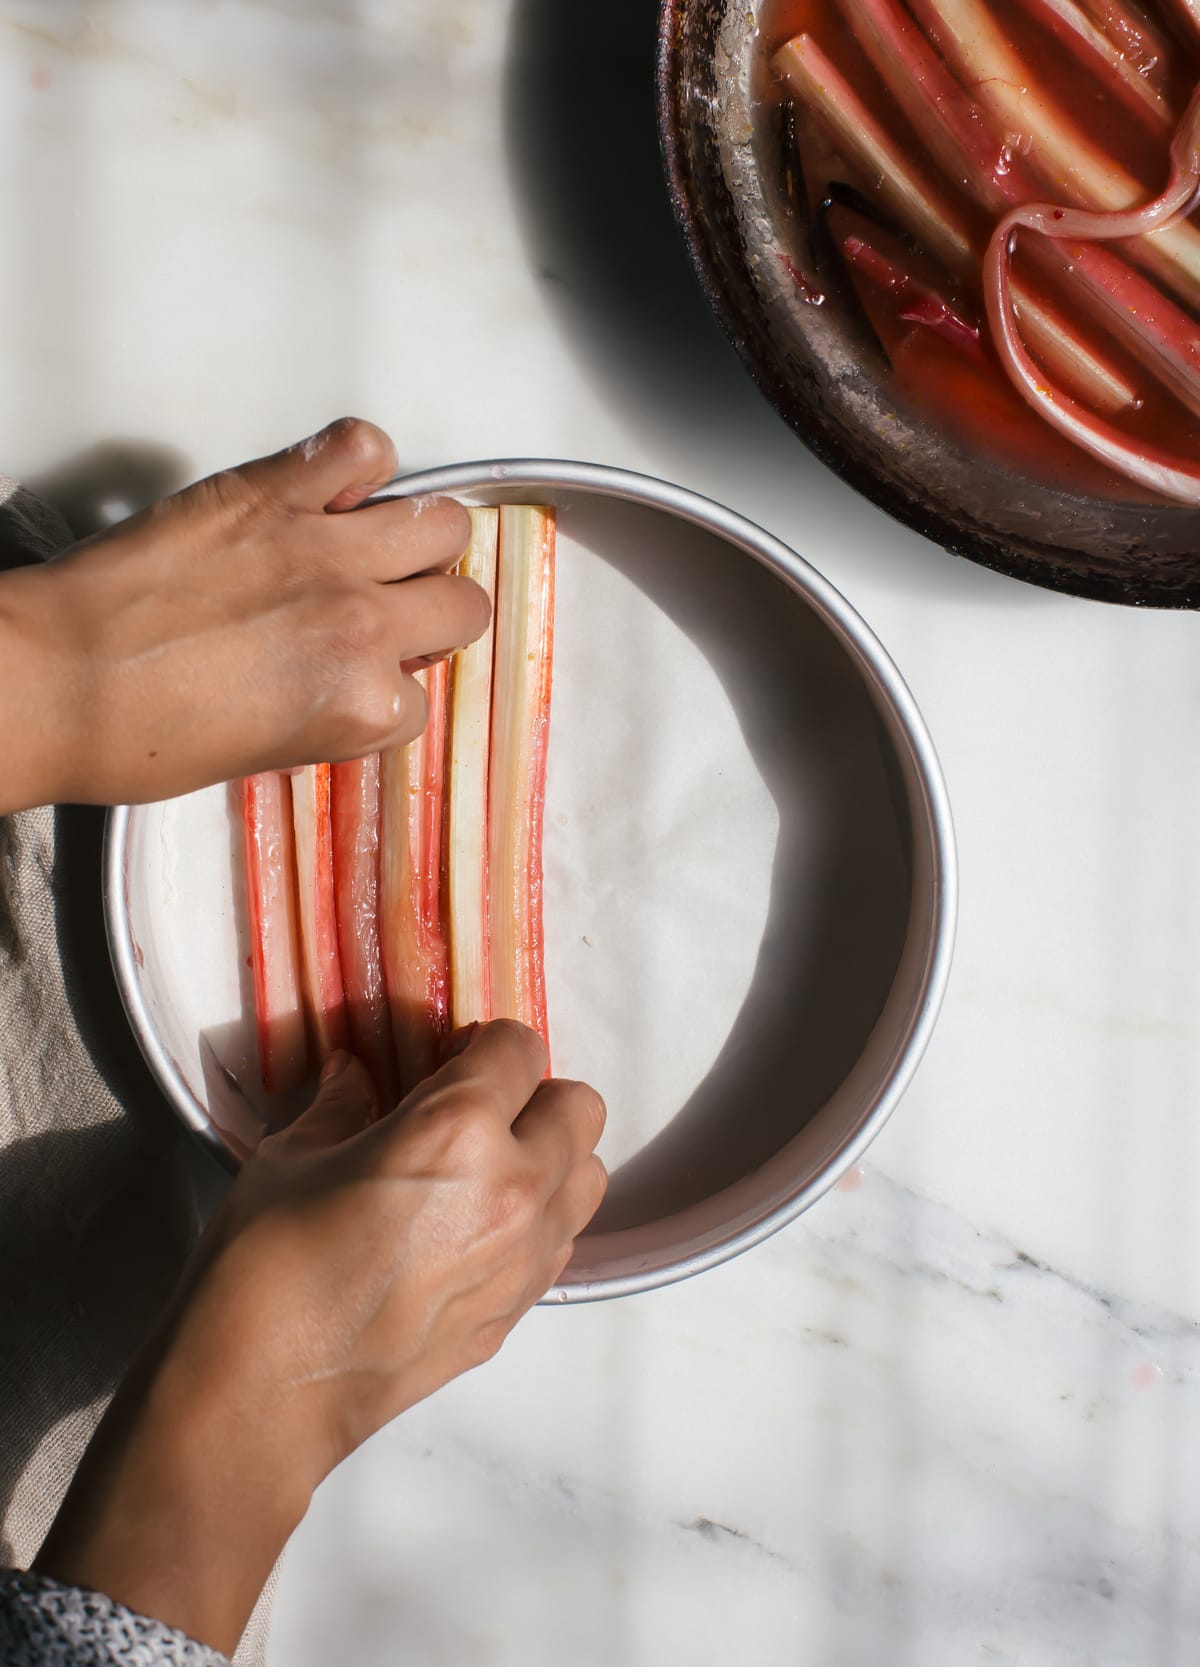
x=950 y=1415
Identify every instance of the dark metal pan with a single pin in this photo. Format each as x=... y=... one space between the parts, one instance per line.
x=817 y=364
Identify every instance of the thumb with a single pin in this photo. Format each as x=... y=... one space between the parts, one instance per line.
x=344 y=1105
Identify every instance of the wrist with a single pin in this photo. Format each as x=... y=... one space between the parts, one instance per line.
x=40 y=697
x=188 y=1492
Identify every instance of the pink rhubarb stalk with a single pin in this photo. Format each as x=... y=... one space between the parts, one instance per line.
x=1189 y=9
x=1140 y=41
x=1115 y=297
x=467 y=829
x=900 y=187
x=1114 y=68
x=274 y=958
x=524 y=627
x=356 y=887
x=411 y=929
x=1174 y=477
x=909 y=196
x=1065 y=158
x=320 y=966
x=918 y=303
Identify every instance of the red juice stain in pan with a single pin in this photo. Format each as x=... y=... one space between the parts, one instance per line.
x=931 y=322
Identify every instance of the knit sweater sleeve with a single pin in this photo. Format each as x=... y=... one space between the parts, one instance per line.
x=45 y=1624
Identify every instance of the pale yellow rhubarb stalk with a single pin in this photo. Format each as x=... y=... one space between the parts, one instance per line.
x=467 y=775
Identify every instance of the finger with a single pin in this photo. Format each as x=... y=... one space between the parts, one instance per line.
x=576 y=1201
x=344 y=1106
x=434 y=614
x=497 y=1070
x=350 y=455
x=560 y=1127
x=403 y=536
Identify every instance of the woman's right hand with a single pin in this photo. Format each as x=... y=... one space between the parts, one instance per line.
x=384 y=1257
x=358 y=1263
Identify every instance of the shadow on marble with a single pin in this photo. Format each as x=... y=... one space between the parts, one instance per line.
x=591 y=196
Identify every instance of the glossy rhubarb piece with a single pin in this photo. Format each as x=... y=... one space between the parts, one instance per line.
x=274 y=944
x=1111 y=63
x=1115 y=298
x=355 y=816
x=917 y=303
x=467 y=817
x=1189 y=10
x=524 y=636
x=320 y=963
x=412 y=935
x=1135 y=35
x=911 y=198
x=900 y=187
x=1067 y=160
x=1151 y=466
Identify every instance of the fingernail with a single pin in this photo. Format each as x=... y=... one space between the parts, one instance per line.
x=459 y=1041
x=353 y=497
x=334 y=1066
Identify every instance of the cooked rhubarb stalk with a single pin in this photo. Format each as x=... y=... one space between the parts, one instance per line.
x=1115 y=70
x=411 y=930
x=1191 y=10
x=917 y=302
x=524 y=627
x=901 y=189
x=906 y=194
x=1139 y=41
x=467 y=821
x=274 y=946
x=320 y=966
x=1061 y=153
x=355 y=798
x=1115 y=298
x=1174 y=477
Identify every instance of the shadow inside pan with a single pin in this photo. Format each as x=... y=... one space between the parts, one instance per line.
x=814 y=363
x=840 y=890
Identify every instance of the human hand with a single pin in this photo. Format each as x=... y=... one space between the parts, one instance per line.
x=240 y=625
x=383 y=1258
x=357 y=1265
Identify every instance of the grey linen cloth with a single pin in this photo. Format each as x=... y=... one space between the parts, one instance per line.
x=101 y=1194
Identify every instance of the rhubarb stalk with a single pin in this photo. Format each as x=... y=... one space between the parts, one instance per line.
x=524 y=627
x=1117 y=298
x=912 y=200
x=467 y=827
x=270 y=892
x=411 y=929
x=355 y=801
x=1115 y=68
x=1060 y=151
x=1174 y=477
x=320 y=967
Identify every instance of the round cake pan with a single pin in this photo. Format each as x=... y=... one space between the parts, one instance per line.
x=750 y=885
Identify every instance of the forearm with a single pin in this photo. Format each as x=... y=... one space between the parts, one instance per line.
x=41 y=704
x=189 y=1490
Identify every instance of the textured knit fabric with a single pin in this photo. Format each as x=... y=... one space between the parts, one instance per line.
x=101 y=1192
x=43 y=1624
